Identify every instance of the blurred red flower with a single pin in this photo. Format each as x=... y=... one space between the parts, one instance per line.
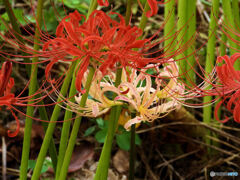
x=229 y=77
x=103 y=2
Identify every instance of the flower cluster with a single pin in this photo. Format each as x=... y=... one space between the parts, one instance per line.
x=107 y=44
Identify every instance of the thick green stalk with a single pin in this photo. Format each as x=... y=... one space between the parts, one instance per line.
x=181 y=39
x=52 y=124
x=132 y=154
x=223 y=45
x=103 y=164
x=222 y=53
x=30 y=109
x=210 y=60
x=65 y=130
x=52 y=148
x=229 y=21
x=169 y=28
x=128 y=11
x=236 y=21
x=92 y=7
x=76 y=126
x=191 y=14
x=144 y=18
x=235 y=8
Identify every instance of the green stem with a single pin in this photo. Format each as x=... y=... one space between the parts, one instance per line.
x=52 y=124
x=223 y=45
x=181 y=40
x=210 y=60
x=92 y=7
x=103 y=164
x=236 y=21
x=222 y=53
x=30 y=109
x=52 y=147
x=235 y=8
x=191 y=14
x=169 y=28
x=144 y=18
x=76 y=125
x=132 y=154
x=128 y=11
x=229 y=21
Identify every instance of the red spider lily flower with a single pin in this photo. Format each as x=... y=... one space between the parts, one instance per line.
x=6 y=97
x=9 y=99
x=100 y=42
x=229 y=77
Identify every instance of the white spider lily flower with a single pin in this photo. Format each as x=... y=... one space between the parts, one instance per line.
x=97 y=103
x=150 y=98
x=147 y=102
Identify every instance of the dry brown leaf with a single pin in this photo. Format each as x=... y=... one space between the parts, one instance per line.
x=81 y=154
x=121 y=161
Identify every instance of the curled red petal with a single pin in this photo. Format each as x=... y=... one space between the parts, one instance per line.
x=153 y=8
x=48 y=69
x=15 y=133
x=216 y=112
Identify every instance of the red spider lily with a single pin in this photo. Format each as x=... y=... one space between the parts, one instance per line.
x=230 y=79
x=154 y=7
x=6 y=97
x=100 y=42
x=9 y=99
